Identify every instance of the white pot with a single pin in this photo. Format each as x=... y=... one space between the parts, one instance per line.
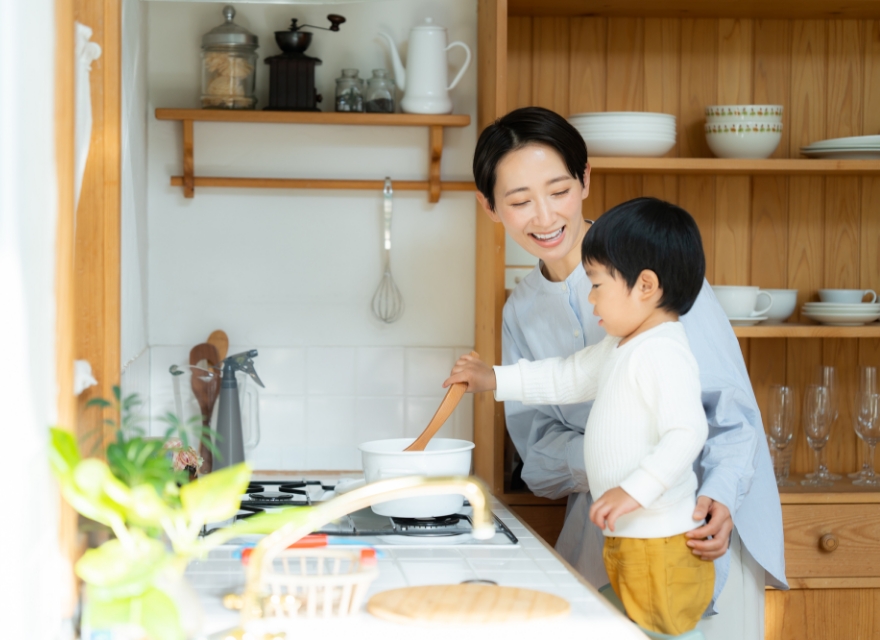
x=384 y=459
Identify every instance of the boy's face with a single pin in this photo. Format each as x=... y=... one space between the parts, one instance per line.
x=621 y=310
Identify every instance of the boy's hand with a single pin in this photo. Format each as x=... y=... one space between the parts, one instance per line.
x=474 y=372
x=613 y=504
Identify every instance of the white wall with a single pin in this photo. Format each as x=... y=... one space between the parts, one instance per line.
x=293 y=272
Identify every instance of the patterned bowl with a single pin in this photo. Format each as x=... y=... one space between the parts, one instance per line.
x=744 y=113
x=743 y=140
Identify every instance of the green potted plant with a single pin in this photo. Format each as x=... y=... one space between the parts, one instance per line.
x=134 y=586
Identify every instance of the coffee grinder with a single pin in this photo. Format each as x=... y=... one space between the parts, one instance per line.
x=292 y=73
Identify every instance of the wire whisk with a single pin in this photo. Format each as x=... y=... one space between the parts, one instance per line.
x=387 y=301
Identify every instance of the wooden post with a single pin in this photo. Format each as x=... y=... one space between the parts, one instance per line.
x=435 y=153
x=188 y=163
x=492 y=103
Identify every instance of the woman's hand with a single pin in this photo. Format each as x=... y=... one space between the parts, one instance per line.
x=469 y=369
x=613 y=504
x=719 y=528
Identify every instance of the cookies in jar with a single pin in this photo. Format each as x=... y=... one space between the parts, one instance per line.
x=229 y=60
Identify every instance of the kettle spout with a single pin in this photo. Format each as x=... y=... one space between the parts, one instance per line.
x=399 y=71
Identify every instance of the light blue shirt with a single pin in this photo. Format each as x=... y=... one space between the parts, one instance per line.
x=544 y=319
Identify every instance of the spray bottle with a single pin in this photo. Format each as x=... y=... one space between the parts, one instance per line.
x=230 y=441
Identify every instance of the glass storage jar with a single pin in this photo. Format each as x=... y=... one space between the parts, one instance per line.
x=229 y=62
x=349 y=91
x=380 y=93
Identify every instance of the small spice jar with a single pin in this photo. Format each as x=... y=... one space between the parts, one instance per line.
x=229 y=61
x=380 y=93
x=349 y=91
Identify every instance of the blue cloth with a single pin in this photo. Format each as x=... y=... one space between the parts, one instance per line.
x=544 y=319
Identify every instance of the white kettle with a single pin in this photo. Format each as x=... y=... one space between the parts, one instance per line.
x=424 y=79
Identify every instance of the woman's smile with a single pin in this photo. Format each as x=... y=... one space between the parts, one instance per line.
x=549 y=239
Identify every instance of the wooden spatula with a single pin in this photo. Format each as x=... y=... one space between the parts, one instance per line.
x=206 y=392
x=447 y=406
x=221 y=342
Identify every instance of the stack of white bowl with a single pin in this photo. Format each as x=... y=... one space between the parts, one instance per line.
x=843 y=307
x=626 y=133
x=744 y=130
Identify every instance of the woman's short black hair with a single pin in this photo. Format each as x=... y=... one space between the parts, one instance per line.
x=647 y=233
x=521 y=127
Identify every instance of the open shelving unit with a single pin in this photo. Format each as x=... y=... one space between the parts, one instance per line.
x=435 y=124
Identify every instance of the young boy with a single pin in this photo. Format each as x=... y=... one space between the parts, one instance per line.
x=645 y=261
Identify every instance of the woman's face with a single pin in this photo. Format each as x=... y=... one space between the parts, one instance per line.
x=539 y=203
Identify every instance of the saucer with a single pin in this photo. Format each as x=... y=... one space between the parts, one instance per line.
x=747 y=322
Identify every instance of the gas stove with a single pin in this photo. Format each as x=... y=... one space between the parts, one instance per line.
x=365 y=526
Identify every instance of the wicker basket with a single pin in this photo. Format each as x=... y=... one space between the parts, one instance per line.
x=322 y=582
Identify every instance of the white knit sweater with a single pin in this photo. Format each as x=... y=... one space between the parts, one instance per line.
x=646 y=427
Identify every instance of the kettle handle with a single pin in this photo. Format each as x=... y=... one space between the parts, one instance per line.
x=464 y=67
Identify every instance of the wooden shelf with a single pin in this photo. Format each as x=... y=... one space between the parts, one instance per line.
x=842 y=492
x=314 y=117
x=435 y=124
x=733 y=167
x=786 y=9
x=791 y=330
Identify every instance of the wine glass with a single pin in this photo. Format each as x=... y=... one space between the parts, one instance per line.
x=827 y=377
x=780 y=429
x=817 y=427
x=866 y=420
x=867 y=383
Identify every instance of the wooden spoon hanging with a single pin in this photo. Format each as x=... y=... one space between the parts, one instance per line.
x=206 y=392
x=447 y=406
x=221 y=342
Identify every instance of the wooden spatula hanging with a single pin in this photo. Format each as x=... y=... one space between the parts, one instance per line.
x=206 y=389
x=447 y=406
x=221 y=342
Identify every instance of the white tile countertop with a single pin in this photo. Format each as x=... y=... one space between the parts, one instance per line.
x=531 y=564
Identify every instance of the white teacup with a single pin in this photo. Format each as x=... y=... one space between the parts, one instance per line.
x=784 y=303
x=847 y=296
x=739 y=302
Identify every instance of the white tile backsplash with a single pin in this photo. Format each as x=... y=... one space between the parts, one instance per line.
x=331 y=371
x=378 y=418
x=319 y=403
x=426 y=369
x=282 y=370
x=331 y=421
x=380 y=371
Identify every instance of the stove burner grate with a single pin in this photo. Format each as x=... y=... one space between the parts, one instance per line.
x=439 y=522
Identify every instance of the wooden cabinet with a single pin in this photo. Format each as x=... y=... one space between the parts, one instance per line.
x=777 y=223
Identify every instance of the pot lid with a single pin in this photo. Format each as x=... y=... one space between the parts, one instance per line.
x=229 y=32
x=428 y=25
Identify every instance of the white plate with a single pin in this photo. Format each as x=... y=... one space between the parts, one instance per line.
x=839 y=306
x=642 y=147
x=844 y=154
x=843 y=320
x=849 y=142
x=747 y=322
x=629 y=115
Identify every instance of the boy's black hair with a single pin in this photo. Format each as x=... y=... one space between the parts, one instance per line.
x=529 y=125
x=647 y=233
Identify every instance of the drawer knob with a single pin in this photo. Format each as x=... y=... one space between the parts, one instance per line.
x=828 y=542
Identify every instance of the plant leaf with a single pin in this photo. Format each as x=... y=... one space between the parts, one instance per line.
x=160 y=618
x=116 y=570
x=63 y=452
x=216 y=496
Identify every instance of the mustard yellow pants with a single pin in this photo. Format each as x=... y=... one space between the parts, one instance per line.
x=663 y=586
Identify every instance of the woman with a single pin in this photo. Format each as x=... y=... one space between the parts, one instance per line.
x=532 y=175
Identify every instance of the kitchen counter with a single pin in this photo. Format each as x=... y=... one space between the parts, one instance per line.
x=531 y=564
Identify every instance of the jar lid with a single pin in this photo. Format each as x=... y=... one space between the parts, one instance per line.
x=229 y=32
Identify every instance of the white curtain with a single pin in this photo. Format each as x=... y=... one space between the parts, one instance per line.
x=31 y=580
x=86 y=53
